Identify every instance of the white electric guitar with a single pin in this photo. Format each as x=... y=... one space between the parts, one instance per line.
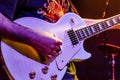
x=70 y=29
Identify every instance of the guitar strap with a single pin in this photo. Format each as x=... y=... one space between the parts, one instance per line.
x=73 y=7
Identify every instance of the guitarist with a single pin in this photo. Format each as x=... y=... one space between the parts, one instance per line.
x=49 y=10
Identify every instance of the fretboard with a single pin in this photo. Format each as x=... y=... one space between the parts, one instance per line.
x=89 y=31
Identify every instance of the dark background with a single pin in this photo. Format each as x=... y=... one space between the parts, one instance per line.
x=98 y=67
x=95 y=8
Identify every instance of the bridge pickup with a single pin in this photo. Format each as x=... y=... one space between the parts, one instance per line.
x=73 y=37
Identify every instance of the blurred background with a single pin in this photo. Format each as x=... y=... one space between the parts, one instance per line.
x=99 y=66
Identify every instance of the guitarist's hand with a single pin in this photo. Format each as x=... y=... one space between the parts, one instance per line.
x=46 y=44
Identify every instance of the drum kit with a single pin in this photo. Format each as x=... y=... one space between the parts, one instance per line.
x=112 y=52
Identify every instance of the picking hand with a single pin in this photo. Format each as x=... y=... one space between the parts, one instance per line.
x=46 y=45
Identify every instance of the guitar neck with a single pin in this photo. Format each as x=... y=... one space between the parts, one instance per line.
x=89 y=31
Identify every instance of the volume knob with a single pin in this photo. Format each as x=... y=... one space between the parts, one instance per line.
x=54 y=77
x=45 y=70
x=32 y=75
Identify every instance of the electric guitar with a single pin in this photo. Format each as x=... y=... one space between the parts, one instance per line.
x=70 y=29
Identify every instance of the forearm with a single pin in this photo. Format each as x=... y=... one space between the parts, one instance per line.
x=13 y=31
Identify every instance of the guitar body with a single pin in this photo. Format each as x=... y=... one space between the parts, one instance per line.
x=21 y=66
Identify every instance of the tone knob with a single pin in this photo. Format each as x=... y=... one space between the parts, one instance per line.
x=54 y=77
x=45 y=70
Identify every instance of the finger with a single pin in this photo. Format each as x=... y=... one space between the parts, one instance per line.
x=55 y=48
x=58 y=43
x=50 y=58
x=54 y=53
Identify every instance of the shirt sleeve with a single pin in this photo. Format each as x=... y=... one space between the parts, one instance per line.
x=8 y=8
